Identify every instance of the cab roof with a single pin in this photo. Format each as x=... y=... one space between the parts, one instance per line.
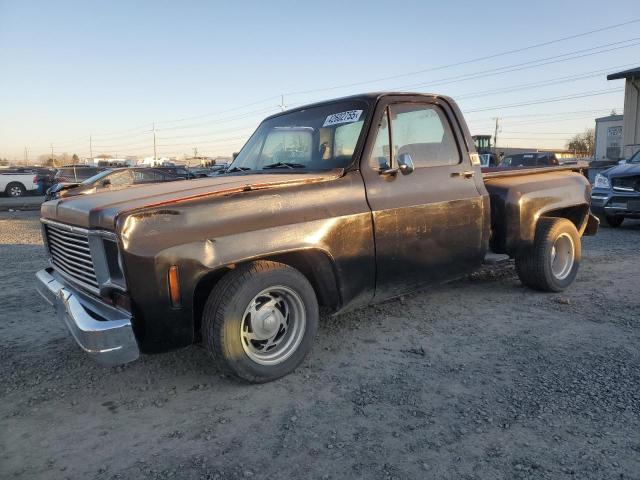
x=371 y=98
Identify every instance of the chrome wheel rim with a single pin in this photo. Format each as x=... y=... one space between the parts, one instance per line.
x=273 y=325
x=562 y=256
x=15 y=191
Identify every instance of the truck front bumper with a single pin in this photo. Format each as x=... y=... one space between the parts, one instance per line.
x=104 y=332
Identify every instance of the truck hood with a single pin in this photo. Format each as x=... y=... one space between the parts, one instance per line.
x=624 y=170
x=101 y=210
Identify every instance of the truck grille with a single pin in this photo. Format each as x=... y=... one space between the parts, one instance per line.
x=626 y=184
x=70 y=254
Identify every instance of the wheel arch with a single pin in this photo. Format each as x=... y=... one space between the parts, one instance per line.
x=577 y=214
x=316 y=265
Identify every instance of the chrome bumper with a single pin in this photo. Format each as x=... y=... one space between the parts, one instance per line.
x=102 y=331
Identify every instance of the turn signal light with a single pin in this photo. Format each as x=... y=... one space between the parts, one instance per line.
x=174 y=286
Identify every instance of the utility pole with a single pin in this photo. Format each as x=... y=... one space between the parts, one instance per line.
x=155 y=156
x=53 y=160
x=495 y=137
x=90 y=148
x=282 y=106
x=26 y=156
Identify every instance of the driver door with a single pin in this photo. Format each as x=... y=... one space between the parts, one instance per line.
x=428 y=223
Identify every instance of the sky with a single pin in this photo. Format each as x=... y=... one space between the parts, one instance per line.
x=206 y=72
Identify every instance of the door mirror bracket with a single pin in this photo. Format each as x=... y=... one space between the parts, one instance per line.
x=405 y=163
x=388 y=171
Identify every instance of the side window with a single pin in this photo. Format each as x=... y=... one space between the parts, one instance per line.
x=380 y=158
x=345 y=139
x=119 y=179
x=142 y=176
x=423 y=132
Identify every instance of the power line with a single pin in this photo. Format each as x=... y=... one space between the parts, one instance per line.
x=527 y=65
x=220 y=112
x=546 y=100
x=495 y=71
x=222 y=140
x=554 y=113
x=541 y=133
x=543 y=83
x=220 y=120
x=465 y=62
x=471 y=95
x=533 y=138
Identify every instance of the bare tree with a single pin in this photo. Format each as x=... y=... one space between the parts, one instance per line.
x=583 y=143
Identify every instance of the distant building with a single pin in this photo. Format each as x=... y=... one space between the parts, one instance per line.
x=108 y=161
x=631 y=125
x=157 y=161
x=608 y=138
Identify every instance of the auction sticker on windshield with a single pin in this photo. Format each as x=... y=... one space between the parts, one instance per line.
x=342 y=117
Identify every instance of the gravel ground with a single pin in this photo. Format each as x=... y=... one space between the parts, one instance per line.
x=480 y=378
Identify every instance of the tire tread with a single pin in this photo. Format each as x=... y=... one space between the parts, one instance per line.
x=531 y=266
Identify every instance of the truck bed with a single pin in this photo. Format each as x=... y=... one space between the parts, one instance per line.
x=518 y=197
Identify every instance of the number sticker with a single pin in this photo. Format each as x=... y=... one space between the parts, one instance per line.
x=342 y=117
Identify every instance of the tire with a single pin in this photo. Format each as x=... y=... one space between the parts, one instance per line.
x=15 y=189
x=546 y=268
x=613 y=221
x=245 y=315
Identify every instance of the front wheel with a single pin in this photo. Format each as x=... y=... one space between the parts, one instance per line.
x=260 y=320
x=15 y=190
x=551 y=263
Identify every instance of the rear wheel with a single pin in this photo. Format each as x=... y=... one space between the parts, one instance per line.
x=15 y=189
x=260 y=320
x=551 y=264
x=614 y=221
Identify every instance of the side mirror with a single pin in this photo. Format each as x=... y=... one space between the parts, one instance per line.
x=622 y=162
x=405 y=163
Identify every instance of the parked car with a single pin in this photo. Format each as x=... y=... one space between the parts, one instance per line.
x=489 y=160
x=218 y=168
x=181 y=171
x=17 y=182
x=531 y=159
x=341 y=203
x=111 y=179
x=616 y=192
x=75 y=173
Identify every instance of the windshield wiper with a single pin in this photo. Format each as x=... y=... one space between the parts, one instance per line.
x=283 y=165
x=236 y=169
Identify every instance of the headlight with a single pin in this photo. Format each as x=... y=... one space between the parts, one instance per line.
x=601 y=182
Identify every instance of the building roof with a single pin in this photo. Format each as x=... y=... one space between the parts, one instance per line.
x=610 y=118
x=633 y=72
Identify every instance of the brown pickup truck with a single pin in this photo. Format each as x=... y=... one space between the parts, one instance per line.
x=340 y=204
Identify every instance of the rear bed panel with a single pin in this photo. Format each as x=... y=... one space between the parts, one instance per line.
x=519 y=198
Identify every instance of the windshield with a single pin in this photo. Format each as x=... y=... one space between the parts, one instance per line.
x=96 y=177
x=635 y=158
x=317 y=138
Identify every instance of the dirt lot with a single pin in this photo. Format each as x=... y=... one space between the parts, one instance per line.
x=481 y=378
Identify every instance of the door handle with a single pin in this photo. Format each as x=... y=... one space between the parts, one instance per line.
x=467 y=174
